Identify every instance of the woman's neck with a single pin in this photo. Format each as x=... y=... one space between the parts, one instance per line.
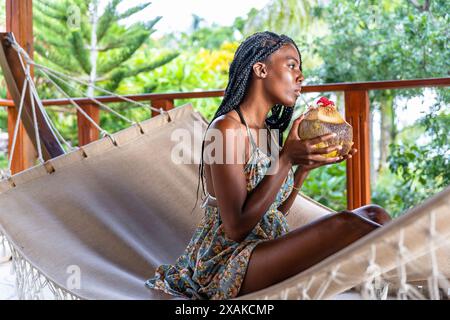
x=255 y=108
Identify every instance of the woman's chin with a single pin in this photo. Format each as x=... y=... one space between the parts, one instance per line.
x=290 y=103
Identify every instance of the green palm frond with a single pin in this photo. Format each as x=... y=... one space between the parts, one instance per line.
x=150 y=24
x=165 y=59
x=42 y=20
x=121 y=55
x=52 y=9
x=80 y=53
x=67 y=47
x=108 y=18
x=119 y=74
x=54 y=57
x=133 y=10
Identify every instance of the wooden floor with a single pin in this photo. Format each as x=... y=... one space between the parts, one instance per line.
x=7 y=282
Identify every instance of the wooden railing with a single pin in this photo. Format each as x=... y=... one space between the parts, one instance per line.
x=356 y=113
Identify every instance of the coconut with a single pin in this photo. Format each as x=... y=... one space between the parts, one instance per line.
x=324 y=118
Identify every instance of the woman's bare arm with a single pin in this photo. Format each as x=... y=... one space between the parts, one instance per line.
x=240 y=211
x=299 y=178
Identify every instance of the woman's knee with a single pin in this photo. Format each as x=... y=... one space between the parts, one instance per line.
x=377 y=214
x=350 y=222
x=350 y=217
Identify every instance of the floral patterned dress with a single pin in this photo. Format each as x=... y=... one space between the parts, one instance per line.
x=213 y=266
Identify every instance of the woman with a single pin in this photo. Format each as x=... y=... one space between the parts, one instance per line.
x=242 y=243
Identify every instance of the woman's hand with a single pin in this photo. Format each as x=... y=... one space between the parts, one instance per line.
x=304 y=153
x=317 y=164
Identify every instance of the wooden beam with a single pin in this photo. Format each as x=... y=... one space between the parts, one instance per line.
x=165 y=104
x=19 y=21
x=331 y=87
x=87 y=132
x=378 y=85
x=15 y=77
x=358 y=168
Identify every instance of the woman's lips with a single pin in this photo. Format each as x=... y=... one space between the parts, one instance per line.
x=297 y=92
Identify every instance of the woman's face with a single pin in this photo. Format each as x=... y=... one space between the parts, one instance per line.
x=284 y=78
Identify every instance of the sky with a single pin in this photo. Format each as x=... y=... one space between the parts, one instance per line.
x=177 y=14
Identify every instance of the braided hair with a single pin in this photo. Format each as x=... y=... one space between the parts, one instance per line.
x=256 y=48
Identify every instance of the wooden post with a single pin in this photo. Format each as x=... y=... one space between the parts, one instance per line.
x=358 y=168
x=87 y=132
x=19 y=21
x=166 y=104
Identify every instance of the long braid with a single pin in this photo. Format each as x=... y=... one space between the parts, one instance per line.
x=256 y=48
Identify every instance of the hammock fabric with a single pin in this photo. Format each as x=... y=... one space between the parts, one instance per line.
x=110 y=214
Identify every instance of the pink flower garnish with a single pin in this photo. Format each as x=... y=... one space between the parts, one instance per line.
x=323 y=101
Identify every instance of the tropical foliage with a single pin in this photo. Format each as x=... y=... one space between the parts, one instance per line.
x=340 y=41
x=74 y=37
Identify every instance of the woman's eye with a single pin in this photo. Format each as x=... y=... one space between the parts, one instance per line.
x=292 y=65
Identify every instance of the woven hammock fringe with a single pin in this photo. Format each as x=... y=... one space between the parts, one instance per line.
x=375 y=284
x=31 y=284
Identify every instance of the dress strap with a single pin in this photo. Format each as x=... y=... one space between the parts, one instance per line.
x=252 y=141
x=270 y=138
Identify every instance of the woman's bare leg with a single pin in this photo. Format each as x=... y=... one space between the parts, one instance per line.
x=275 y=260
x=374 y=213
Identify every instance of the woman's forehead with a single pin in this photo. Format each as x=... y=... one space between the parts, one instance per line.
x=286 y=52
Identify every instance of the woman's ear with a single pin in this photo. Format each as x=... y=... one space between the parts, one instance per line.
x=260 y=69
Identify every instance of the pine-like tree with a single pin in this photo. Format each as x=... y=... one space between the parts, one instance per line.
x=74 y=37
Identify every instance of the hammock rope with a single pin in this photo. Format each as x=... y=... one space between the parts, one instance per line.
x=106 y=107
x=376 y=287
x=26 y=62
x=7 y=174
x=33 y=94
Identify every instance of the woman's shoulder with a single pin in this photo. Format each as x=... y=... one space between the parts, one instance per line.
x=228 y=121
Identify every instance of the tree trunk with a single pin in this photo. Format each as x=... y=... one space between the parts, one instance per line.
x=94 y=47
x=388 y=131
x=373 y=172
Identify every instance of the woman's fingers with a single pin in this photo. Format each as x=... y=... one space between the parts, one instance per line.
x=349 y=155
x=343 y=159
x=295 y=124
x=319 y=158
x=326 y=150
x=320 y=139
